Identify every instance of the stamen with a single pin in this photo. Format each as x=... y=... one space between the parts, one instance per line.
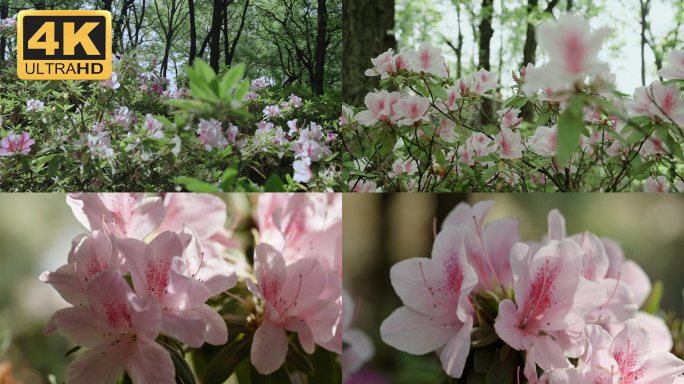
x=477 y=227
x=541 y=294
x=432 y=294
x=238 y=298
x=614 y=290
x=518 y=375
x=434 y=226
x=294 y=302
x=200 y=266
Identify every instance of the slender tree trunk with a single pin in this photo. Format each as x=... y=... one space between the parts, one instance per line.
x=365 y=24
x=569 y=8
x=231 y=54
x=205 y=42
x=215 y=43
x=529 y=51
x=118 y=29
x=107 y=5
x=319 y=71
x=459 y=47
x=486 y=33
x=193 y=32
x=4 y=11
x=644 y=12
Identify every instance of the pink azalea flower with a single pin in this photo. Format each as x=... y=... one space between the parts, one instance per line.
x=661 y=336
x=676 y=68
x=154 y=126
x=413 y=109
x=400 y=166
x=572 y=50
x=543 y=143
x=381 y=64
x=488 y=79
x=641 y=103
x=378 y=105
x=250 y=96
x=436 y=313
x=347 y=115
x=123 y=117
x=119 y=329
x=206 y=214
x=654 y=145
x=295 y=101
x=34 y=105
x=91 y=254
x=307 y=149
x=362 y=186
x=446 y=130
x=498 y=237
x=360 y=347
x=510 y=144
x=453 y=94
x=231 y=133
x=272 y=111
x=427 y=59
x=258 y=84
x=292 y=302
x=302 y=169
x=210 y=134
x=637 y=361
x=656 y=185
x=158 y=270
x=509 y=117
x=667 y=102
x=113 y=82
x=551 y=296
x=122 y=214
x=16 y=144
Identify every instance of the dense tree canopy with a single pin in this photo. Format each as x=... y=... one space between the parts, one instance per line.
x=291 y=42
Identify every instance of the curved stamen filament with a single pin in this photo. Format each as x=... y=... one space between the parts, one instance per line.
x=432 y=293
x=541 y=294
x=479 y=234
x=294 y=302
x=614 y=291
x=434 y=227
x=200 y=265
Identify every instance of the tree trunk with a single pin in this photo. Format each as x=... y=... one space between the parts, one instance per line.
x=486 y=33
x=569 y=9
x=107 y=5
x=215 y=43
x=4 y=11
x=321 y=48
x=365 y=24
x=231 y=54
x=193 y=32
x=118 y=29
x=459 y=47
x=644 y=11
x=529 y=52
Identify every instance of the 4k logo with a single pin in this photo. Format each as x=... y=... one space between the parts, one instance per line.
x=64 y=45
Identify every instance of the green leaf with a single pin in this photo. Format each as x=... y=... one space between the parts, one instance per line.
x=502 y=372
x=229 y=176
x=226 y=361
x=278 y=377
x=483 y=336
x=72 y=350
x=483 y=358
x=514 y=101
x=300 y=362
x=5 y=341
x=489 y=173
x=641 y=169
x=231 y=77
x=543 y=119
x=274 y=184
x=674 y=146
x=53 y=166
x=183 y=371
x=438 y=91
x=194 y=185
x=636 y=136
x=570 y=125
x=327 y=368
x=653 y=302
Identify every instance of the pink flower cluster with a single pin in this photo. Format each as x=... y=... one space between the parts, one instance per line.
x=211 y=134
x=173 y=276
x=16 y=144
x=298 y=268
x=10 y=22
x=576 y=297
x=258 y=84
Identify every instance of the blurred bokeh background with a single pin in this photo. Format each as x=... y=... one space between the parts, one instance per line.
x=35 y=236
x=381 y=230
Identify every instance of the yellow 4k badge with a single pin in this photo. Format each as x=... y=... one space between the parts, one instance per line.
x=64 y=45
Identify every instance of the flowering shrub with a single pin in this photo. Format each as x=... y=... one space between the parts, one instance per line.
x=433 y=134
x=152 y=283
x=132 y=132
x=569 y=309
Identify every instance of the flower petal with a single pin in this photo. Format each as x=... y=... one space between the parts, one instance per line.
x=269 y=348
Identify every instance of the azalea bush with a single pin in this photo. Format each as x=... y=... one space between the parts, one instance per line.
x=133 y=132
x=426 y=131
x=495 y=309
x=157 y=298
